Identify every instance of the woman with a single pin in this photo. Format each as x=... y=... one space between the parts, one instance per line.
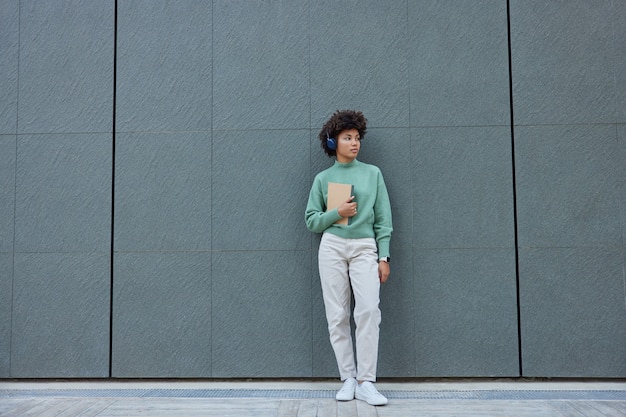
x=353 y=255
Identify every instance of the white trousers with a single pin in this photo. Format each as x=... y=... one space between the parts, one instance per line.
x=349 y=266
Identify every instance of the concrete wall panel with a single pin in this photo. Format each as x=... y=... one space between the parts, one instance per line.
x=563 y=61
x=164 y=65
x=261 y=65
x=568 y=186
x=163 y=191
x=260 y=188
x=7 y=191
x=572 y=310
x=462 y=187
x=7 y=208
x=6 y=311
x=9 y=51
x=466 y=316
x=63 y=193
x=66 y=66
x=458 y=58
x=358 y=60
x=61 y=321
x=261 y=314
x=162 y=315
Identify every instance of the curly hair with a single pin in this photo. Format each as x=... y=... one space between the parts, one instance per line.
x=340 y=121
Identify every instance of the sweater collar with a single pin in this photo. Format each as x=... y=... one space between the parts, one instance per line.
x=350 y=164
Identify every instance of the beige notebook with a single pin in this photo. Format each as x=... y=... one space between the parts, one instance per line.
x=338 y=194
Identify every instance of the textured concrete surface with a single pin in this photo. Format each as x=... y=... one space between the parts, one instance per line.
x=162 y=314
x=451 y=282
x=60 y=320
x=563 y=63
x=458 y=63
x=9 y=50
x=6 y=310
x=359 y=60
x=569 y=326
x=7 y=191
x=164 y=66
x=569 y=186
x=275 y=324
x=63 y=193
x=462 y=188
x=7 y=204
x=260 y=186
x=163 y=198
x=261 y=65
x=66 y=66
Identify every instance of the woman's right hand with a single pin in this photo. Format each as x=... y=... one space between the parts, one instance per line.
x=348 y=208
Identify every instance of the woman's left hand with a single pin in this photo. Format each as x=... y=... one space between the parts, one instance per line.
x=383 y=271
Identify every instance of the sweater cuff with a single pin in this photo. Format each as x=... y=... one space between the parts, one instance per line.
x=383 y=248
x=335 y=214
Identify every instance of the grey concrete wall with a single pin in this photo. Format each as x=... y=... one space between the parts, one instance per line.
x=156 y=157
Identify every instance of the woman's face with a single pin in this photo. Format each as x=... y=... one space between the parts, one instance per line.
x=348 y=145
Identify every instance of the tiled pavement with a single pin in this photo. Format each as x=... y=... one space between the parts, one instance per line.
x=310 y=398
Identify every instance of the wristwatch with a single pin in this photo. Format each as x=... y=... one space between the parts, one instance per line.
x=384 y=259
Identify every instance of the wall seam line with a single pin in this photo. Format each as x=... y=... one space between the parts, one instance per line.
x=17 y=110
x=514 y=189
x=113 y=138
x=212 y=133
x=410 y=129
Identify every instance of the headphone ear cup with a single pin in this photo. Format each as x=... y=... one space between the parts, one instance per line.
x=332 y=145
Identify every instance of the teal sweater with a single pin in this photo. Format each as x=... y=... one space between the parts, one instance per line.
x=373 y=218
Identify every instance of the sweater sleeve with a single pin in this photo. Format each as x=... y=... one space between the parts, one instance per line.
x=382 y=218
x=316 y=218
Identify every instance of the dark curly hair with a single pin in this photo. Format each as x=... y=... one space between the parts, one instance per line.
x=340 y=121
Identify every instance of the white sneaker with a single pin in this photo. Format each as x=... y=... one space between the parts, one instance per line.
x=367 y=392
x=346 y=393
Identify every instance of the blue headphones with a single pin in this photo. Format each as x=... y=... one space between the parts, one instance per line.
x=330 y=142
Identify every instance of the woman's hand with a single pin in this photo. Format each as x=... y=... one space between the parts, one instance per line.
x=347 y=209
x=383 y=271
